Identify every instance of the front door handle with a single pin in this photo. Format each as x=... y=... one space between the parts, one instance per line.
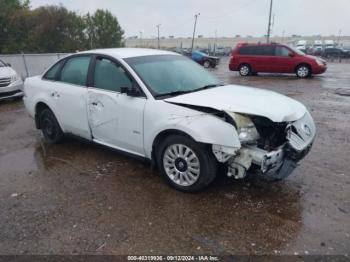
x=94 y=103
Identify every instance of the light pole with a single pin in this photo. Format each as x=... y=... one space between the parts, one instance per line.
x=158 y=35
x=269 y=24
x=194 y=30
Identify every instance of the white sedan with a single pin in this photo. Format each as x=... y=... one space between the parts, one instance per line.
x=163 y=107
x=11 y=83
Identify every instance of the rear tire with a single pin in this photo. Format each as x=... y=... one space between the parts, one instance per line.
x=186 y=165
x=303 y=71
x=245 y=70
x=49 y=126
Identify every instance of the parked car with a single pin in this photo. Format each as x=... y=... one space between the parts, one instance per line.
x=318 y=47
x=250 y=59
x=302 y=45
x=205 y=60
x=329 y=44
x=11 y=84
x=336 y=53
x=163 y=107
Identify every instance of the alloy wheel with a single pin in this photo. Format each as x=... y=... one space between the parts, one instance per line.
x=181 y=164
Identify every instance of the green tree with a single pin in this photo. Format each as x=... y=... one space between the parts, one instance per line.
x=55 y=29
x=103 y=30
x=9 y=8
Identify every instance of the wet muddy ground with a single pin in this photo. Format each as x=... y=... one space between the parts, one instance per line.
x=80 y=198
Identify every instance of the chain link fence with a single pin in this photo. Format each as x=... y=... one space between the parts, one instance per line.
x=31 y=64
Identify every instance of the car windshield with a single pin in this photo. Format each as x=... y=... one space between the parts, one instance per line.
x=297 y=50
x=2 y=64
x=171 y=75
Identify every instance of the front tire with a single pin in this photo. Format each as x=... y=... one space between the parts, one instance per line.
x=185 y=164
x=303 y=71
x=206 y=64
x=245 y=70
x=49 y=126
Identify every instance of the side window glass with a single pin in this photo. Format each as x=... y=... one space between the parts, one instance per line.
x=52 y=72
x=110 y=76
x=75 y=70
x=281 y=51
x=267 y=50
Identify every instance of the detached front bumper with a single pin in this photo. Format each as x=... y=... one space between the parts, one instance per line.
x=281 y=162
x=277 y=164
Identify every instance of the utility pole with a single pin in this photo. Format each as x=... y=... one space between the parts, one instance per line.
x=269 y=24
x=339 y=34
x=140 y=38
x=216 y=41
x=194 y=30
x=158 y=35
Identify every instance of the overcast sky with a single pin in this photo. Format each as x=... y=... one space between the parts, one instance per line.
x=228 y=17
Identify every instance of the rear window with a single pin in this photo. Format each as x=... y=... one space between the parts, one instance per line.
x=247 y=50
x=52 y=72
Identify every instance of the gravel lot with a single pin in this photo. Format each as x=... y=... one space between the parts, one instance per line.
x=80 y=198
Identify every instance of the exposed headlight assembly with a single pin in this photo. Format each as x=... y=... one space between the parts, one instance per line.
x=14 y=78
x=319 y=62
x=246 y=129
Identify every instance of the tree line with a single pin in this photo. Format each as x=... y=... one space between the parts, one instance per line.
x=51 y=29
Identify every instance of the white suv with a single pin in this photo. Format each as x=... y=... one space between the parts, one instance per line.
x=11 y=84
x=164 y=107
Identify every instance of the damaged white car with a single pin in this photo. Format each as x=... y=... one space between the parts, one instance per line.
x=163 y=107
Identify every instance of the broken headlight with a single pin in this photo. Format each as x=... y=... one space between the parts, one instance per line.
x=246 y=129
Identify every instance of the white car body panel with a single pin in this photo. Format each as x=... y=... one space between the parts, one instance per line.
x=132 y=124
x=69 y=104
x=245 y=100
x=202 y=127
x=116 y=119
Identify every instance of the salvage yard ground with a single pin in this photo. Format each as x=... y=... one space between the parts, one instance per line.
x=80 y=198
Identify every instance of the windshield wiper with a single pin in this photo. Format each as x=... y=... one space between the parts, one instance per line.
x=207 y=87
x=181 y=92
x=175 y=93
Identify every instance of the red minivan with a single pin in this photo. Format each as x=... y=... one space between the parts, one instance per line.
x=250 y=59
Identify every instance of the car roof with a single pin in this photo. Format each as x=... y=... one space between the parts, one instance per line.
x=128 y=52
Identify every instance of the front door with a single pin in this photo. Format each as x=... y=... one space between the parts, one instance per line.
x=115 y=119
x=282 y=62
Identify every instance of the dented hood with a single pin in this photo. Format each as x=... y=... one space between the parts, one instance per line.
x=245 y=100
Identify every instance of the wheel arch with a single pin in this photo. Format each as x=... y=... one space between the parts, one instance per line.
x=247 y=64
x=39 y=107
x=161 y=136
x=301 y=64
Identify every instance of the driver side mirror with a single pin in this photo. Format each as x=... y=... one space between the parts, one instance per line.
x=132 y=91
x=291 y=54
x=8 y=64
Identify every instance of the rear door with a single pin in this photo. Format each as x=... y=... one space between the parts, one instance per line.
x=115 y=119
x=68 y=94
